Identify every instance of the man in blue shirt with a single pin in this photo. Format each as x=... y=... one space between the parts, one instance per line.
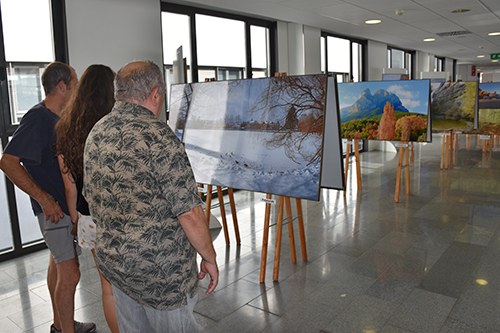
x=30 y=161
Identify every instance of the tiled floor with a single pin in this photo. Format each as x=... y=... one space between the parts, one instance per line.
x=374 y=265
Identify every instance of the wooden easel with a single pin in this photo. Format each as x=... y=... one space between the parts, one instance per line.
x=487 y=145
x=358 y=166
x=284 y=203
x=449 y=149
x=403 y=152
x=230 y=193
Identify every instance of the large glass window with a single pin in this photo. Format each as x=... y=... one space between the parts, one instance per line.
x=357 y=61
x=339 y=51
x=397 y=58
x=342 y=57
x=259 y=41
x=217 y=46
x=220 y=42
x=6 y=241
x=28 y=41
x=438 y=64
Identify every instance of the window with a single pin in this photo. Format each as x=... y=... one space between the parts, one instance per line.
x=397 y=58
x=220 y=42
x=25 y=88
x=438 y=64
x=26 y=27
x=342 y=57
x=259 y=39
x=338 y=55
x=216 y=45
x=32 y=37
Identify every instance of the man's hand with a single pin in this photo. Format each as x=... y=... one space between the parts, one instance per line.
x=213 y=272
x=51 y=210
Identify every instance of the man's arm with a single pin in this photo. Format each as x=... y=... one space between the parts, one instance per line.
x=11 y=166
x=196 y=229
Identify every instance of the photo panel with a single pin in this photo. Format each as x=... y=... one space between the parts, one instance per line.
x=489 y=95
x=489 y=121
x=180 y=98
x=453 y=105
x=332 y=170
x=385 y=110
x=262 y=135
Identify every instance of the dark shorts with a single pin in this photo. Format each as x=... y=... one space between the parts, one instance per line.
x=59 y=239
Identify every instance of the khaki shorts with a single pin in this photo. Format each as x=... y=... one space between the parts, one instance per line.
x=58 y=237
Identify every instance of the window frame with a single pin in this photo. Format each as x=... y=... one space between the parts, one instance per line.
x=7 y=128
x=248 y=21
x=362 y=54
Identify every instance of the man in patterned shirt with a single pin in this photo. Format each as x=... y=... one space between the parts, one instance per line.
x=143 y=198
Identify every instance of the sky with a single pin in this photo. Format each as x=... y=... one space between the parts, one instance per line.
x=490 y=87
x=414 y=94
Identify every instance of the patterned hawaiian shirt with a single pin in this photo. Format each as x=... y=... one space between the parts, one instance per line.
x=137 y=181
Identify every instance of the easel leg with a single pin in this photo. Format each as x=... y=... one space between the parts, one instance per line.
x=347 y=153
x=302 y=233
x=279 y=231
x=208 y=203
x=223 y=214
x=443 y=150
x=358 y=165
x=230 y=193
x=398 y=176
x=450 y=151
x=407 y=166
x=291 y=235
x=265 y=239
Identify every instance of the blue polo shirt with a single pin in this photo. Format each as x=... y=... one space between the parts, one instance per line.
x=34 y=143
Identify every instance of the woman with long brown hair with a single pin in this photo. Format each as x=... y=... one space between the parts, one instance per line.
x=93 y=100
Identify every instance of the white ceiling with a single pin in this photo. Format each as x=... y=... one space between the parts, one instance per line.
x=405 y=22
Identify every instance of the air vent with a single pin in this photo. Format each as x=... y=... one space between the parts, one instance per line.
x=453 y=33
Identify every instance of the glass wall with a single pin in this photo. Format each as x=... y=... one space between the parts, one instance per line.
x=216 y=45
x=27 y=39
x=342 y=57
x=397 y=58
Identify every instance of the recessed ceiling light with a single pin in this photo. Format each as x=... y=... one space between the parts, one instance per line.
x=429 y=39
x=460 y=10
x=481 y=56
x=481 y=282
x=496 y=33
x=495 y=60
x=373 y=21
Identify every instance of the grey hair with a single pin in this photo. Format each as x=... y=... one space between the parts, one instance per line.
x=54 y=73
x=137 y=83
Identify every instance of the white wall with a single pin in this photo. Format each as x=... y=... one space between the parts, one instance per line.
x=282 y=46
x=113 y=32
x=312 y=50
x=464 y=72
x=448 y=66
x=491 y=77
x=295 y=49
x=377 y=60
x=422 y=63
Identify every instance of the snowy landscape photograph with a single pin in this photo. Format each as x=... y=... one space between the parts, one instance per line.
x=385 y=110
x=262 y=135
x=180 y=97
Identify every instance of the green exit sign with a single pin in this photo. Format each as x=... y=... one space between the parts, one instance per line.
x=495 y=56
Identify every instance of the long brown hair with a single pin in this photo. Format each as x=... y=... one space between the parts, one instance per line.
x=92 y=101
